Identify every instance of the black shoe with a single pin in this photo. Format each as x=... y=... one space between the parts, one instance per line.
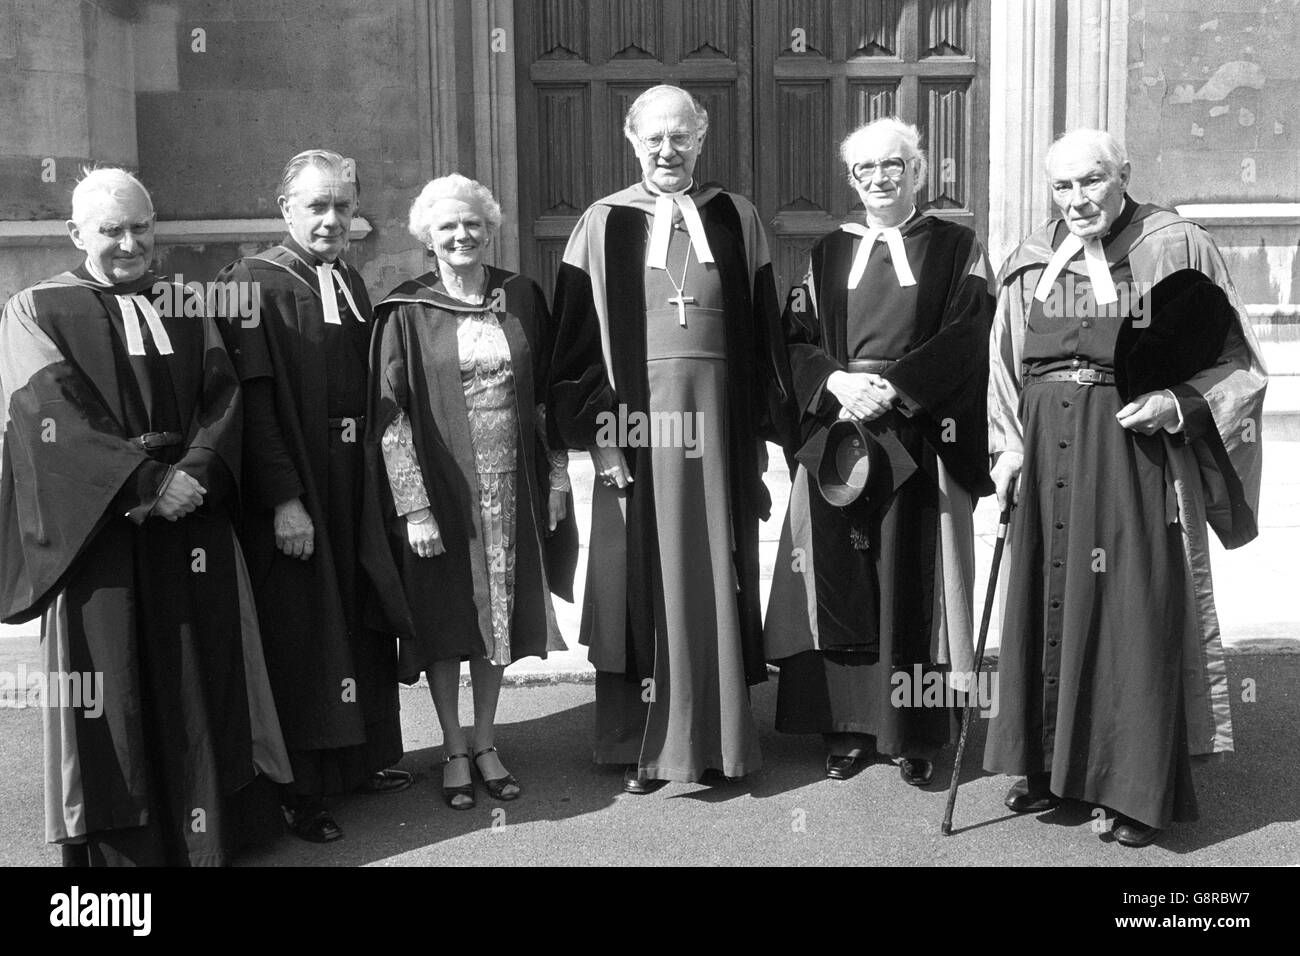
x=449 y=794
x=386 y=781
x=496 y=787
x=916 y=771
x=633 y=782
x=1031 y=795
x=844 y=766
x=1130 y=832
x=313 y=824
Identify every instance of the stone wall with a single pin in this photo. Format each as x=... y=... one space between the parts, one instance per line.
x=227 y=91
x=1213 y=119
x=1214 y=100
x=208 y=98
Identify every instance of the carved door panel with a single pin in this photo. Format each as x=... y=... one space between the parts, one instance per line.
x=783 y=81
x=827 y=66
x=579 y=66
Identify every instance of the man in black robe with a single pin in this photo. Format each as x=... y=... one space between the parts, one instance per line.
x=667 y=360
x=302 y=361
x=871 y=603
x=1111 y=667
x=120 y=467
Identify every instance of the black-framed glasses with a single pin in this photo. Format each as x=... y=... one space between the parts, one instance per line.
x=892 y=168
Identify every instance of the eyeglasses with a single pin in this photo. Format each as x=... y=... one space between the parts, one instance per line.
x=681 y=142
x=892 y=168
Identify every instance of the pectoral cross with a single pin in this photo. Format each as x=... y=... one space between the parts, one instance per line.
x=681 y=301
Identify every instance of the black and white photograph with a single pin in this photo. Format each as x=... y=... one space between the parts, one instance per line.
x=600 y=433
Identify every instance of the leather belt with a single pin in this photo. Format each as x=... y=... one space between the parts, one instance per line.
x=870 y=365
x=151 y=440
x=341 y=423
x=1080 y=376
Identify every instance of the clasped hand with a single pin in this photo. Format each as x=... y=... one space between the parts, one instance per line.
x=181 y=496
x=863 y=396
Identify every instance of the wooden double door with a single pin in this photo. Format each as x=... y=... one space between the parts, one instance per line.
x=783 y=81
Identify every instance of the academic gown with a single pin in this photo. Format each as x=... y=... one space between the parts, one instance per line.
x=1111 y=668
x=333 y=659
x=445 y=605
x=160 y=610
x=671 y=609
x=844 y=620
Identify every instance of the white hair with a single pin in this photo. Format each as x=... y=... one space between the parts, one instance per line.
x=453 y=186
x=854 y=144
x=104 y=180
x=1107 y=147
x=649 y=96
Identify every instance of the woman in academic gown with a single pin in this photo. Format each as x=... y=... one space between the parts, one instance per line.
x=476 y=511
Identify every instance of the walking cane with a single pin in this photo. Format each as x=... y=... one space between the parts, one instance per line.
x=1003 y=520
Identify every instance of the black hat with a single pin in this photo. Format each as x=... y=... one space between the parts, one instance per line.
x=1179 y=329
x=856 y=462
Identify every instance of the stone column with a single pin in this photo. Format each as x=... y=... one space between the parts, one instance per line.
x=1096 y=68
x=468 y=80
x=496 y=144
x=1022 y=80
x=67 y=97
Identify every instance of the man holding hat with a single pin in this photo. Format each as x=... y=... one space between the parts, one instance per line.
x=874 y=577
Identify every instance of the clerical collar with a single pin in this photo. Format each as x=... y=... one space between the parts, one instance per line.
x=691 y=188
x=146 y=281
x=907 y=221
x=306 y=255
x=1122 y=221
x=1094 y=258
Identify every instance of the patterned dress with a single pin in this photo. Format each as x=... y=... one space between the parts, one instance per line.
x=489 y=385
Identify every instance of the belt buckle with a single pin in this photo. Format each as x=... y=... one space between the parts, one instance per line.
x=151 y=440
x=1086 y=376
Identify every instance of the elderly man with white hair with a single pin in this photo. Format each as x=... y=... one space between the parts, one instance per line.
x=667 y=361
x=872 y=587
x=1125 y=399
x=121 y=464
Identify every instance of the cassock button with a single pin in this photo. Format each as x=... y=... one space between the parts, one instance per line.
x=1075 y=363
x=1060 y=482
x=1051 y=680
x=1063 y=443
x=1052 y=642
x=1060 y=525
x=1086 y=324
x=1057 y=563
x=1065 y=403
x=1056 y=605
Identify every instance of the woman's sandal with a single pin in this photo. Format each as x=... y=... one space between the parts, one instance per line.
x=496 y=787
x=449 y=794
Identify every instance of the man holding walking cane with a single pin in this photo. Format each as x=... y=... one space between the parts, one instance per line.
x=1125 y=397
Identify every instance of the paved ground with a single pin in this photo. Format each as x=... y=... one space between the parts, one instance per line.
x=575 y=813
